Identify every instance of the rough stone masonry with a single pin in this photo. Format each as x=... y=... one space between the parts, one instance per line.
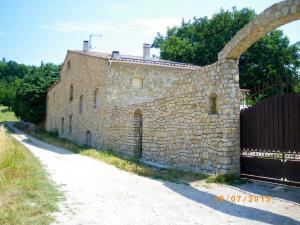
x=174 y=114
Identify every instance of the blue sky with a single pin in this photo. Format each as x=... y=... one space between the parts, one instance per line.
x=32 y=31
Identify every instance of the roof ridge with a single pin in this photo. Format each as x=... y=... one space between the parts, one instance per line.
x=139 y=60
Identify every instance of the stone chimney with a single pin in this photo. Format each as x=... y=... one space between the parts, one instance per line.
x=115 y=55
x=146 y=51
x=85 y=46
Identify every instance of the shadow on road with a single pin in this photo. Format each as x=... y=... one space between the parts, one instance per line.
x=230 y=208
x=27 y=139
x=285 y=193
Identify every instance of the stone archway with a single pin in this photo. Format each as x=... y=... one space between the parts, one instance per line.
x=273 y=17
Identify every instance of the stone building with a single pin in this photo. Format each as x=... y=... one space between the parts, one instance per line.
x=168 y=113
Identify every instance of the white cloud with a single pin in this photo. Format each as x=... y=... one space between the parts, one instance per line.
x=125 y=36
x=148 y=27
x=70 y=27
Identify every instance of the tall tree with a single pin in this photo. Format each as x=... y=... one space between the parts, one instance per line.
x=29 y=102
x=271 y=65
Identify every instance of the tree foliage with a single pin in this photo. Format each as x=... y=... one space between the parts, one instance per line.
x=30 y=97
x=270 y=66
x=24 y=88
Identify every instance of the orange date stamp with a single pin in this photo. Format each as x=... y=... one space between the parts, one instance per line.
x=243 y=198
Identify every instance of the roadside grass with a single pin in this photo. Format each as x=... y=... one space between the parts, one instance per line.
x=228 y=178
x=134 y=165
x=26 y=194
x=6 y=114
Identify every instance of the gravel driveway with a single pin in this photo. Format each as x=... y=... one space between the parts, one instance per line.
x=98 y=193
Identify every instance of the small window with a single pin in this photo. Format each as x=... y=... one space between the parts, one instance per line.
x=71 y=93
x=96 y=98
x=213 y=104
x=137 y=83
x=70 y=123
x=62 y=125
x=69 y=64
x=81 y=104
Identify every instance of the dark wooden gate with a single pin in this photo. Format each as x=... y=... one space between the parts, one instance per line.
x=270 y=139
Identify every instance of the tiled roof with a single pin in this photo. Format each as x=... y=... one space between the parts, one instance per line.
x=139 y=60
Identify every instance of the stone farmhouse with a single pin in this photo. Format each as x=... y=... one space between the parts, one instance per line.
x=168 y=113
x=128 y=104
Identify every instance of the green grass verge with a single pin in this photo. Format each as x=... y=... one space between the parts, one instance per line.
x=6 y=114
x=135 y=165
x=26 y=194
x=228 y=178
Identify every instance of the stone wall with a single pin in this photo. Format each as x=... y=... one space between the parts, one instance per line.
x=179 y=130
x=86 y=74
x=154 y=79
x=114 y=82
x=177 y=126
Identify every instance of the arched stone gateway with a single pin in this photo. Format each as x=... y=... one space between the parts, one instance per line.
x=253 y=152
x=273 y=17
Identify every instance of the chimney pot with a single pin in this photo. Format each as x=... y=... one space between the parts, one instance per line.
x=146 y=51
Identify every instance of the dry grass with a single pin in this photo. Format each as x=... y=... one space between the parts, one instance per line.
x=27 y=196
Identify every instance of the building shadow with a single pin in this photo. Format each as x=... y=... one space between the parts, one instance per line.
x=29 y=140
x=282 y=192
x=230 y=208
x=45 y=146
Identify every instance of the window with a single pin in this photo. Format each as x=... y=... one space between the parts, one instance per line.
x=70 y=123
x=81 y=104
x=96 y=98
x=62 y=125
x=69 y=64
x=137 y=83
x=88 y=139
x=71 y=93
x=213 y=104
